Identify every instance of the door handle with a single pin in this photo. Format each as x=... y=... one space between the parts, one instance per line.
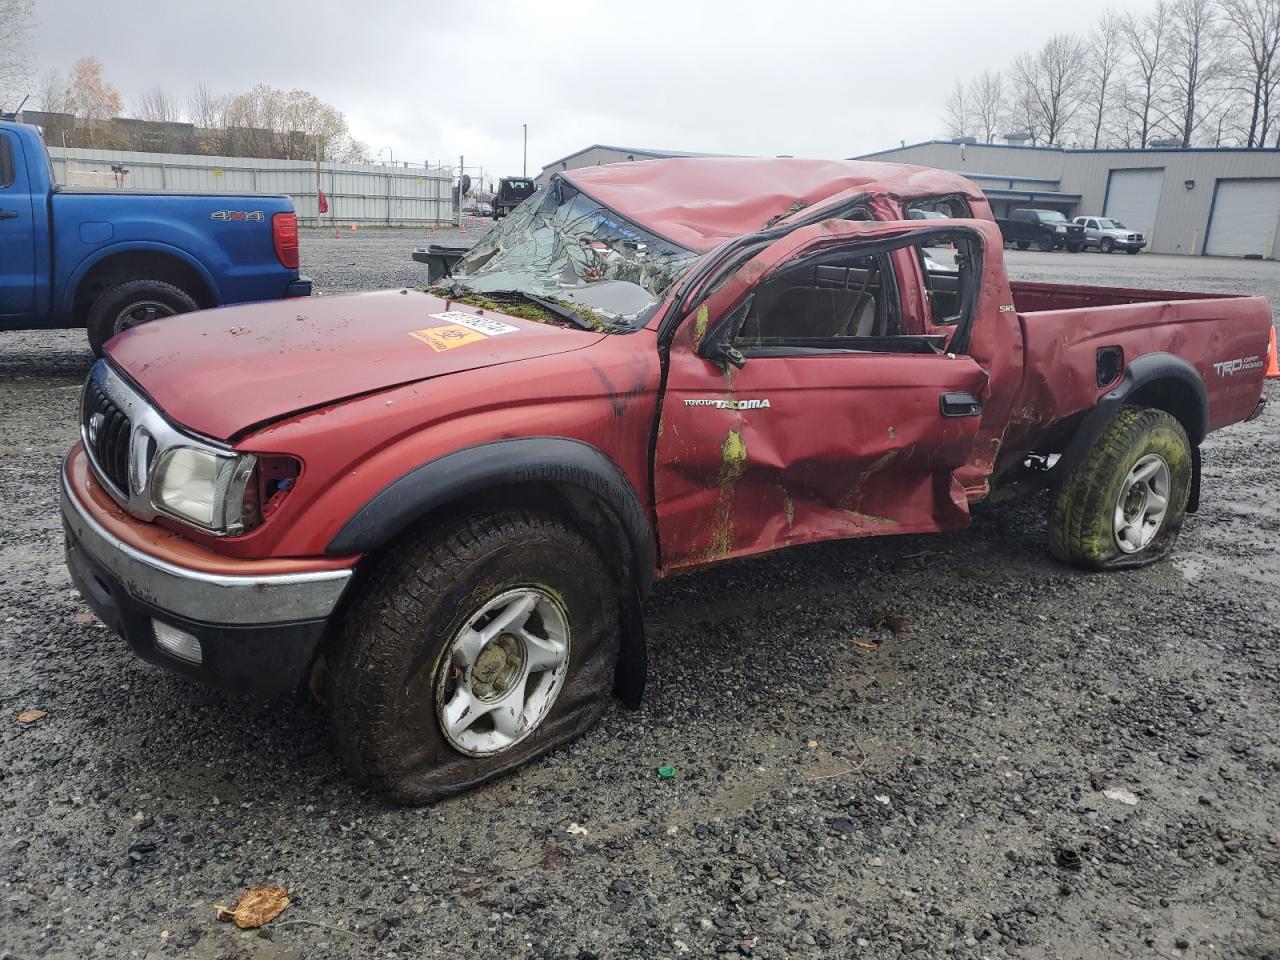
x=8 y=214
x=960 y=405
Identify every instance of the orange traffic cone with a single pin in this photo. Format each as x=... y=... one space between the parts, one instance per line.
x=1273 y=366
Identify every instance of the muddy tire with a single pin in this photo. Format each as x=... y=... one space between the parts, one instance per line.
x=1124 y=504
x=470 y=651
x=132 y=304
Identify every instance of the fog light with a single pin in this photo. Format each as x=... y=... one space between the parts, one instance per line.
x=175 y=642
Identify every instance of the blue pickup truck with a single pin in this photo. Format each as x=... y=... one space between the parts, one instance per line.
x=110 y=261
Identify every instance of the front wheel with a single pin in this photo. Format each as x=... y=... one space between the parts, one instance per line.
x=1074 y=247
x=131 y=304
x=1047 y=244
x=1123 y=505
x=1132 y=250
x=1024 y=244
x=471 y=652
x=1107 y=245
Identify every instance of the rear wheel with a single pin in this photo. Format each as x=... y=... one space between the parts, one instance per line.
x=1123 y=505
x=1107 y=245
x=132 y=304
x=471 y=652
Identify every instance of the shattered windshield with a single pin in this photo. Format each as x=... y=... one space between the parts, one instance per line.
x=562 y=246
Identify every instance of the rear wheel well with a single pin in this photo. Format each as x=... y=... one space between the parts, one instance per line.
x=137 y=265
x=1176 y=398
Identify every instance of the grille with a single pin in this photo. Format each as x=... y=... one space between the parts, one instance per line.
x=106 y=431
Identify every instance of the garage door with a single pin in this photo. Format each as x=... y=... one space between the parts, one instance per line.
x=1245 y=215
x=1133 y=198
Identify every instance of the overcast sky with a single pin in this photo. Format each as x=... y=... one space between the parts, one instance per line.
x=431 y=80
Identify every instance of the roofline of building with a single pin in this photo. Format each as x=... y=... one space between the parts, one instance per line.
x=654 y=154
x=1051 y=149
x=1014 y=177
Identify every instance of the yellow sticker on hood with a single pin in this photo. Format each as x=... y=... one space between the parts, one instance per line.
x=446 y=338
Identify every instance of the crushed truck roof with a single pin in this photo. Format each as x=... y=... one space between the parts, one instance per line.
x=701 y=202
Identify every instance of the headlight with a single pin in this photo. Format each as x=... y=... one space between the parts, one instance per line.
x=202 y=487
x=1061 y=229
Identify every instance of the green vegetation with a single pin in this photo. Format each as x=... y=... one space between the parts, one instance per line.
x=518 y=307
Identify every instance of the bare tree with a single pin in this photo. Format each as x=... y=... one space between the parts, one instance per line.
x=157 y=106
x=1255 y=34
x=1195 y=66
x=956 y=113
x=1147 y=39
x=1102 y=72
x=16 y=18
x=50 y=94
x=986 y=101
x=1021 y=107
x=1051 y=84
x=206 y=108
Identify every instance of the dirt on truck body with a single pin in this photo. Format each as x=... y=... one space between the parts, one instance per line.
x=447 y=508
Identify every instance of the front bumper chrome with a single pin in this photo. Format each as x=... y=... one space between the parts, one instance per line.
x=197 y=595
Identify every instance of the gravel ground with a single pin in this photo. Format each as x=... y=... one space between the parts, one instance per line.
x=912 y=797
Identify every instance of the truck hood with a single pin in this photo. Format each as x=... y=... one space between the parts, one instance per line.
x=221 y=372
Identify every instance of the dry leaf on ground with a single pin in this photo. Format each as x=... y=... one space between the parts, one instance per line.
x=257 y=906
x=31 y=716
x=891 y=621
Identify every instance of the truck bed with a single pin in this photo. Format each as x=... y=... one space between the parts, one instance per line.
x=1065 y=325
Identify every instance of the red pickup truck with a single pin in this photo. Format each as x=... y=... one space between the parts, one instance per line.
x=447 y=507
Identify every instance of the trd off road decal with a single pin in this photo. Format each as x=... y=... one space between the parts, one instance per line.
x=464 y=328
x=1229 y=368
x=730 y=404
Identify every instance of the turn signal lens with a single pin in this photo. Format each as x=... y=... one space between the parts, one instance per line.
x=176 y=643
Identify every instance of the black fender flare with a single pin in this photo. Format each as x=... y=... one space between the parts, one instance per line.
x=1147 y=369
x=555 y=460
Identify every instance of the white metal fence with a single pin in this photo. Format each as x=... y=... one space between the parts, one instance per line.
x=357 y=193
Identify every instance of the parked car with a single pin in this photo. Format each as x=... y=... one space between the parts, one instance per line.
x=484 y=209
x=113 y=260
x=512 y=191
x=447 y=507
x=1046 y=229
x=1107 y=234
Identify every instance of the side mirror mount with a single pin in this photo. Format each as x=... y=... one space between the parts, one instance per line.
x=723 y=352
x=718 y=346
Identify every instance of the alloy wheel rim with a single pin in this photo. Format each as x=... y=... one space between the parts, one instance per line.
x=143 y=311
x=1142 y=503
x=502 y=672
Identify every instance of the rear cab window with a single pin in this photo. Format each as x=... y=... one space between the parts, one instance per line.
x=7 y=170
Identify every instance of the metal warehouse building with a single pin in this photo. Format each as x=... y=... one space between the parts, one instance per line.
x=599 y=153
x=1214 y=201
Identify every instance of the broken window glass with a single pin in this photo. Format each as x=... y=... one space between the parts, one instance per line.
x=562 y=245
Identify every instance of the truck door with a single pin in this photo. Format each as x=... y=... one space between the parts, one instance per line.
x=17 y=231
x=814 y=395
